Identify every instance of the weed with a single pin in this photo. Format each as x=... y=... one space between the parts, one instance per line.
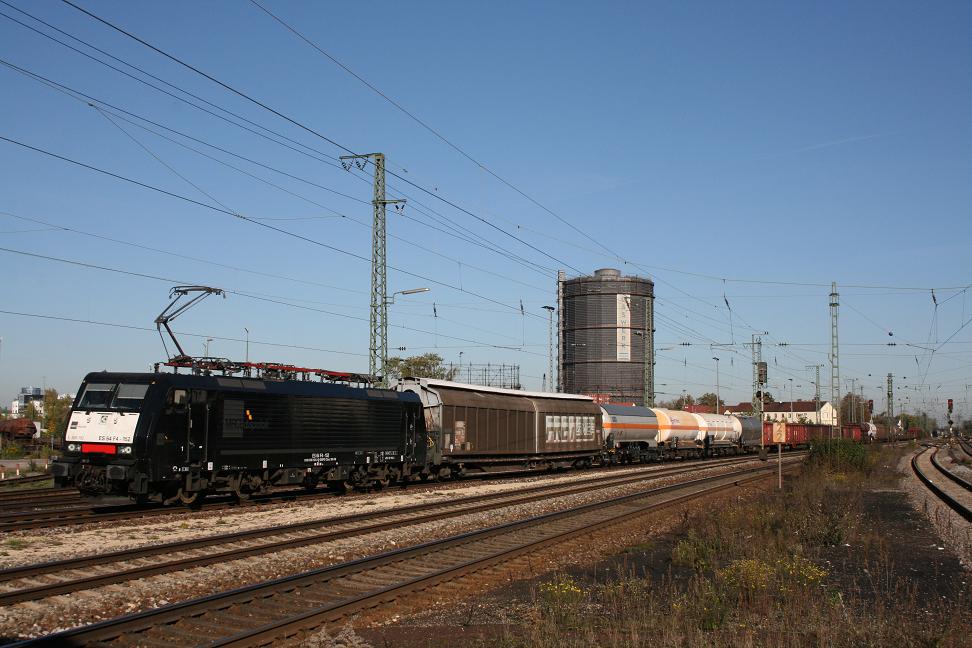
x=760 y=576
x=17 y=543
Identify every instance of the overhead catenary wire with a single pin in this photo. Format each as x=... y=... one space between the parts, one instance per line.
x=304 y=149
x=256 y=222
x=435 y=195
x=135 y=327
x=292 y=193
x=614 y=255
x=256 y=296
x=311 y=130
x=455 y=230
x=429 y=128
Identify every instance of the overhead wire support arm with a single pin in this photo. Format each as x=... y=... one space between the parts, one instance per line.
x=175 y=309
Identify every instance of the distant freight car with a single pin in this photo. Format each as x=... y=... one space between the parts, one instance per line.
x=798 y=435
x=852 y=432
x=483 y=428
x=18 y=430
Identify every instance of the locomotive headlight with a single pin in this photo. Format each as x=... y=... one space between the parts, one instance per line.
x=72 y=447
x=125 y=450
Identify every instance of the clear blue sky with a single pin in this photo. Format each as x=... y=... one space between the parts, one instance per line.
x=788 y=142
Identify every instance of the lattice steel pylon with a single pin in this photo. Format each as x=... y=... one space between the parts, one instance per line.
x=759 y=378
x=378 y=320
x=834 y=357
x=891 y=426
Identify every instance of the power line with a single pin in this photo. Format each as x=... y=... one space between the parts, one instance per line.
x=199 y=335
x=287 y=191
x=259 y=297
x=429 y=128
x=483 y=242
x=458 y=228
x=308 y=129
x=256 y=222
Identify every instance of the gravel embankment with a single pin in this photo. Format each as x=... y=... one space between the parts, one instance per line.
x=60 y=612
x=954 y=531
x=42 y=545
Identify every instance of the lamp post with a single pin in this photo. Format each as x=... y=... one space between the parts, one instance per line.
x=247 y=331
x=791 y=399
x=206 y=347
x=718 y=410
x=388 y=301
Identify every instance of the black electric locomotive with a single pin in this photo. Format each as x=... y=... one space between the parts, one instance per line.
x=175 y=437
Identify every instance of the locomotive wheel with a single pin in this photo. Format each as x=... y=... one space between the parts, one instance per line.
x=237 y=485
x=188 y=499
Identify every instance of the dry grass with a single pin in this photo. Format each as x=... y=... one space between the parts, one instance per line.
x=774 y=571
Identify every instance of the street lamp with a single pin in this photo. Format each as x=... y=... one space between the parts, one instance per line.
x=206 y=347
x=791 y=399
x=410 y=291
x=383 y=351
x=717 y=408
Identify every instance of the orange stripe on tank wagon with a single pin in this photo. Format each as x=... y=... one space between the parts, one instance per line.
x=629 y=426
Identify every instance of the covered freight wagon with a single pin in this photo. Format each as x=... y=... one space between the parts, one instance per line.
x=476 y=427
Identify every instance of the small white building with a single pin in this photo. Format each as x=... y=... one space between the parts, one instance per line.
x=791 y=412
x=801 y=412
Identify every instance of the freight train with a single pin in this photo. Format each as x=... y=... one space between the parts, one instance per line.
x=169 y=437
x=176 y=438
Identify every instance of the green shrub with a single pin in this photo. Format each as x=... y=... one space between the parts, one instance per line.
x=12 y=451
x=839 y=455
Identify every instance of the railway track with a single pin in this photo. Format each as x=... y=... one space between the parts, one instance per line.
x=20 y=493
x=953 y=496
x=964 y=483
x=966 y=446
x=31 y=582
x=28 y=518
x=76 y=511
x=28 y=479
x=267 y=613
x=38 y=498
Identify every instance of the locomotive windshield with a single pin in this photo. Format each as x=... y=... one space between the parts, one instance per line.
x=116 y=397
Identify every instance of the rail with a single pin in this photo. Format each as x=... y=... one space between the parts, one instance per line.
x=265 y=613
x=241 y=544
x=952 y=503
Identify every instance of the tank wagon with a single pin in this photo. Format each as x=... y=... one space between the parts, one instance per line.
x=635 y=434
x=173 y=437
x=477 y=428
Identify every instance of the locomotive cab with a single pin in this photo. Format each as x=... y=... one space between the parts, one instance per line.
x=106 y=433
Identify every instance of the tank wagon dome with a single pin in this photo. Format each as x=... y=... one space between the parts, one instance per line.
x=606 y=332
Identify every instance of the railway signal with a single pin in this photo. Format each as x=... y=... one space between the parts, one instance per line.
x=949 y=405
